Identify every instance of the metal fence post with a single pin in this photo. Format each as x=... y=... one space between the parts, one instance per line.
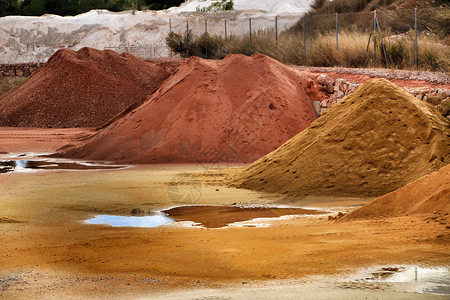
x=374 y=37
x=187 y=30
x=206 y=39
x=226 y=39
x=415 y=43
x=276 y=32
x=250 y=30
x=382 y=44
x=170 y=31
x=337 y=33
x=304 y=39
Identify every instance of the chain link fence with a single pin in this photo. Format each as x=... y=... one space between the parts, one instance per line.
x=142 y=51
x=413 y=38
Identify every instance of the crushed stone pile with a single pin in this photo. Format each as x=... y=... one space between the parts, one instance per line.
x=233 y=110
x=428 y=194
x=80 y=89
x=373 y=142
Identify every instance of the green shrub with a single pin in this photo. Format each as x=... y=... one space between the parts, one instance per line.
x=218 y=5
x=432 y=55
x=206 y=46
x=181 y=44
x=338 y=6
x=397 y=52
x=209 y=46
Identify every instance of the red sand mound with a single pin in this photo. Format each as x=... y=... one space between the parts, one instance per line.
x=80 y=89
x=234 y=110
x=428 y=194
x=374 y=141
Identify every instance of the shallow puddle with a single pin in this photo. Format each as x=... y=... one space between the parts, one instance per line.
x=425 y=280
x=123 y=221
x=204 y=216
x=221 y=216
x=7 y=166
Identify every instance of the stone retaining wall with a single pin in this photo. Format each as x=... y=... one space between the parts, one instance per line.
x=25 y=69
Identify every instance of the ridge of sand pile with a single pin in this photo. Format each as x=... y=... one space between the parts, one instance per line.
x=374 y=141
x=427 y=194
x=233 y=110
x=80 y=89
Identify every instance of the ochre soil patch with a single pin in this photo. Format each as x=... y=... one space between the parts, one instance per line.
x=428 y=194
x=233 y=110
x=374 y=141
x=81 y=89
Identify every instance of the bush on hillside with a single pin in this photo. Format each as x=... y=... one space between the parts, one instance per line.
x=206 y=46
x=218 y=5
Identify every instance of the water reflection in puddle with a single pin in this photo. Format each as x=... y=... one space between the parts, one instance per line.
x=419 y=279
x=7 y=166
x=123 y=221
x=205 y=216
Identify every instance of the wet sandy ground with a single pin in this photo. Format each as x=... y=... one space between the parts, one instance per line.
x=47 y=251
x=51 y=253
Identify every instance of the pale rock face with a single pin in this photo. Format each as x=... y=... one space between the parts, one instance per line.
x=35 y=39
x=269 y=6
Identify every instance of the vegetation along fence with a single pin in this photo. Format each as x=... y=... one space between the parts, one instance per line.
x=407 y=39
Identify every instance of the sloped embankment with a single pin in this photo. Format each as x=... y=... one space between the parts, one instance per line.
x=428 y=194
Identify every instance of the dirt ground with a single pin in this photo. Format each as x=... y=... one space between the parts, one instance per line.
x=39 y=140
x=46 y=251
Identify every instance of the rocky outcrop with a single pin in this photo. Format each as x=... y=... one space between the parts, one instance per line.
x=339 y=88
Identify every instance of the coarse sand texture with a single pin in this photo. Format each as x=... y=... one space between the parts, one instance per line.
x=80 y=89
x=374 y=141
x=428 y=194
x=233 y=110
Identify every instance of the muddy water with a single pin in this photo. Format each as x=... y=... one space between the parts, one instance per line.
x=221 y=216
x=7 y=166
x=202 y=216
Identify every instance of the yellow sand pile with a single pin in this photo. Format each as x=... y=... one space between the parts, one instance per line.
x=428 y=194
x=373 y=142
